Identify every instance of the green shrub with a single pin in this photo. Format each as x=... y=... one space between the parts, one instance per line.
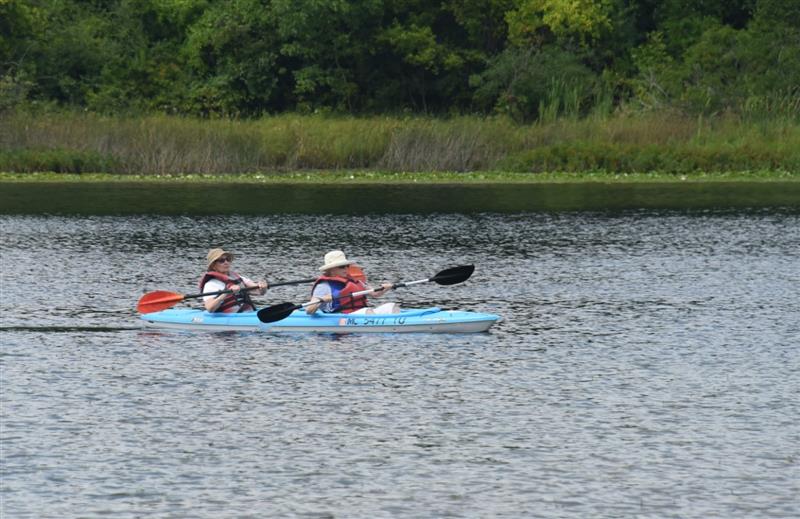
x=626 y=158
x=55 y=160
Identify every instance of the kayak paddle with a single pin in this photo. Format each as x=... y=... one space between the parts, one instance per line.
x=162 y=299
x=449 y=276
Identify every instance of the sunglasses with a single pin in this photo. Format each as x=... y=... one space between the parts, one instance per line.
x=223 y=259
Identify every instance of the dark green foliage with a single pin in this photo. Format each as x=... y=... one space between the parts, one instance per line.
x=69 y=50
x=632 y=158
x=527 y=83
x=231 y=55
x=728 y=69
x=55 y=160
x=531 y=59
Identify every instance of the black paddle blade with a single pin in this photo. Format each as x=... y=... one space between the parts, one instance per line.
x=274 y=313
x=454 y=275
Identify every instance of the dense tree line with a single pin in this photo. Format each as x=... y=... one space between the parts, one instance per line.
x=527 y=58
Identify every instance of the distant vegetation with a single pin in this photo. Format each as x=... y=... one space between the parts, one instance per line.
x=236 y=86
x=527 y=59
x=669 y=143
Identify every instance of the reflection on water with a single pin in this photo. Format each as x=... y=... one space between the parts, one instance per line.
x=169 y=199
x=646 y=366
x=65 y=329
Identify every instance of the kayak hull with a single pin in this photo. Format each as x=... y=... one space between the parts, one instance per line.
x=426 y=320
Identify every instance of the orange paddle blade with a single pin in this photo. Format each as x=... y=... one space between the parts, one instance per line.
x=157 y=301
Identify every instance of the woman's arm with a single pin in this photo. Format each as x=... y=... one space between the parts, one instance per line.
x=261 y=284
x=322 y=294
x=212 y=303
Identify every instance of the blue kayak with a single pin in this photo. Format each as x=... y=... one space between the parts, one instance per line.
x=429 y=320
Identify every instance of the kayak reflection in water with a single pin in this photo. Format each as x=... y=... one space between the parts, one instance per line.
x=331 y=290
x=218 y=277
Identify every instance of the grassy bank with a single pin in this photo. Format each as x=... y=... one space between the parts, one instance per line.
x=357 y=177
x=291 y=148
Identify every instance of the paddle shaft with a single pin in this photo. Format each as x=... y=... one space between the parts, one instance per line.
x=354 y=294
x=391 y=286
x=270 y=285
x=449 y=276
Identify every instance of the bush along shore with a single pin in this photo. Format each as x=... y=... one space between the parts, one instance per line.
x=641 y=147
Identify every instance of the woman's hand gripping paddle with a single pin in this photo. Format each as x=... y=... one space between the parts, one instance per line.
x=449 y=276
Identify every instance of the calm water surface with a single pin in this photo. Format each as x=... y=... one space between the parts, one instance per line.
x=647 y=366
x=255 y=199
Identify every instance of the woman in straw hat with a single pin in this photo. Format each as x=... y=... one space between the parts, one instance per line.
x=331 y=291
x=218 y=276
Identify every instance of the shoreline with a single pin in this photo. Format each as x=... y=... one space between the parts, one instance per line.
x=361 y=177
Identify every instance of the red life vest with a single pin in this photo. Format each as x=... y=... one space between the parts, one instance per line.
x=341 y=288
x=231 y=301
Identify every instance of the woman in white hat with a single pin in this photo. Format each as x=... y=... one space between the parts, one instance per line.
x=331 y=291
x=218 y=277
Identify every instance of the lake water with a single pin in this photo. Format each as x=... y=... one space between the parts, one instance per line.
x=647 y=365
x=255 y=199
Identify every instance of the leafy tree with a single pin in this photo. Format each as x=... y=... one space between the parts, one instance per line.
x=769 y=13
x=527 y=58
x=528 y=84
x=554 y=61
x=426 y=63
x=483 y=23
x=728 y=68
x=534 y=22
x=658 y=83
x=713 y=67
x=326 y=46
x=707 y=56
x=15 y=25
x=146 y=71
x=682 y=22
x=380 y=55
x=17 y=20
x=69 y=44
x=231 y=55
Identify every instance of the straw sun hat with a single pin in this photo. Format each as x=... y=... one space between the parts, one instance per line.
x=215 y=254
x=335 y=258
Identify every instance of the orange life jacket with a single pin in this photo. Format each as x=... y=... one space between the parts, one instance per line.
x=356 y=273
x=341 y=288
x=231 y=301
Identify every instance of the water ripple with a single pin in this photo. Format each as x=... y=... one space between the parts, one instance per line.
x=644 y=367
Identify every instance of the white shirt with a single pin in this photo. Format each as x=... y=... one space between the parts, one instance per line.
x=321 y=290
x=216 y=285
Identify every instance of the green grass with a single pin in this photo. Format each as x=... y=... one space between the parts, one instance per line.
x=460 y=149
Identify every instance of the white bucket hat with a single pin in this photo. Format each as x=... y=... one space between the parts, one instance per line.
x=215 y=254
x=335 y=258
